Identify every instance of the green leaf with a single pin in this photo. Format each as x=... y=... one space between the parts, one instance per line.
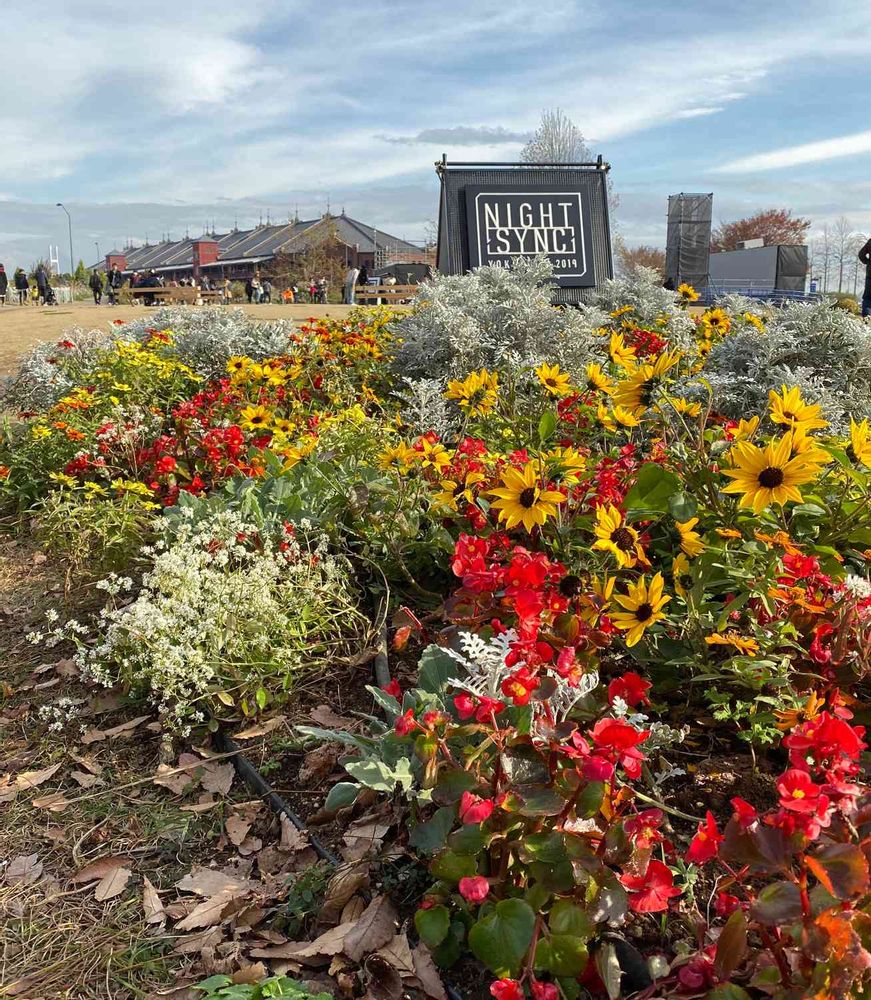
x=261 y=696
x=841 y=868
x=539 y=800
x=386 y=701
x=436 y=668
x=652 y=490
x=682 y=507
x=433 y=925
x=341 y=795
x=731 y=945
x=452 y=866
x=561 y=955
x=728 y=991
x=567 y=917
x=375 y=774
x=546 y=426
x=469 y=839
x=430 y=836
x=213 y=983
x=589 y=802
x=502 y=938
x=451 y=785
x=777 y=904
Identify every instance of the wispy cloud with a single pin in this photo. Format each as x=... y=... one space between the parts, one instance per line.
x=795 y=156
x=460 y=135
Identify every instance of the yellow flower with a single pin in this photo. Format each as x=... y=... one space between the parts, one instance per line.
x=687 y=293
x=622 y=311
x=399 y=457
x=745 y=429
x=859 y=448
x=621 y=353
x=477 y=393
x=606 y=417
x=790 y=409
x=642 y=607
x=636 y=392
x=690 y=541
x=555 y=381
x=283 y=425
x=237 y=364
x=753 y=320
x=594 y=605
x=681 y=574
x=433 y=454
x=274 y=374
x=685 y=406
x=769 y=475
x=450 y=491
x=625 y=417
x=62 y=478
x=716 y=321
x=40 y=431
x=615 y=536
x=598 y=380
x=94 y=489
x=789 y=718
x=521 y=500
x=121 y=387
x=749 y=647
x=807 y=447
x=566 y=464
x=130 y=486
x=255 y=418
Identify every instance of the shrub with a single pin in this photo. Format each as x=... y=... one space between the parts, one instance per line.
x=223 y=988
x=226 y=618
x=848 y=303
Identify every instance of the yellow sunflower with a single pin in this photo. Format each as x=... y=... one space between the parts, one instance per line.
x=476 y=393
x=642 y=607
x=749 y=647
x=400 y=457
x=595 y=602
x=555 y=381
x=433 y=454
x=598 y=380
x=615 y=536
x=625 y=417
x=685 y=407
x=606 y=417
x=859 y=448
x=745 y=429
x=621 y=353
x=716 y=321
x=681 y=574
x=789 y=408
x=636 y=391
x=565 y=465
x=768 y=475
x=255 y=418
x=521 y=500
x=452 y=491
x=687 y=293
x=690 y=541
x=753 y=320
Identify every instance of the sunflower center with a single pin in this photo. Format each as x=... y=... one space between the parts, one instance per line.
x=570 y=586
x=851 y=454
x=528 y=497
x=770 y=478
x=644 y=612
x=646 y=393
x=623 y=539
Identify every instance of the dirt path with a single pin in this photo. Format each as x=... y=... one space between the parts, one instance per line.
x=23 y=326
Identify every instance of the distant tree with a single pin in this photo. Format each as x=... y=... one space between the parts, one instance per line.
x=81 y=272
x=774 y=225
x=557 y=140
x=629 y=259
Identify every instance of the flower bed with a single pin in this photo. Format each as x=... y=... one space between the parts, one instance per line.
x=619 y=531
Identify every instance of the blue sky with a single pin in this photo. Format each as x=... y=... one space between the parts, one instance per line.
x=226 y=111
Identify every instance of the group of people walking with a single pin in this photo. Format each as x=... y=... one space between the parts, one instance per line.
x=39 y=291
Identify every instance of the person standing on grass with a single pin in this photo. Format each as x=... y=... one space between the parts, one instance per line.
x=865 y=257
x=96 y=284
x=4 y=285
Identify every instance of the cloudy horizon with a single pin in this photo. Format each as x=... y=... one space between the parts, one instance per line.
x=219 y=115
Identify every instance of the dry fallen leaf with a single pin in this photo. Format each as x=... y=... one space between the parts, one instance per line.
x=217 y=777
x=309 y=952
x=292 y=839
x=398 y=953
x=85 y=780
x=347 y=880
x=260 y=730
x=324 y=716
x=151 y=904
x=352 y=909
x=98 y=735
x=88 y=763
x=10 y=786
x=383 y=981
x=318 y=763
x=209 y=911
x=198 y=942
x=249 y=846
x=374 y=928
x=209 y=881
x=98 y=869
x=55 y=802
x=237 y=829
x=426 y=971
x=176 y=781
x=250 y=974
x=363 y=837
x=23 y=870
x=112 y=884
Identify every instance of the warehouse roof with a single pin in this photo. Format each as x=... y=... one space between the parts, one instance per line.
x=263 y=242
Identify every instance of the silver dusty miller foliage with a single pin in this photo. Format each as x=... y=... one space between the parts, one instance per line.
x=825 y=352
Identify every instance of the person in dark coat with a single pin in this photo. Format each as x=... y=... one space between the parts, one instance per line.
x=42 y=284
x=865 y=257
x=363 y=276
x=22 y=285
x=4 y=285
x=96 y=284
x=114 y=281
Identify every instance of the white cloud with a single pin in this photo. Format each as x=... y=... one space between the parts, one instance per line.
x=794 y=156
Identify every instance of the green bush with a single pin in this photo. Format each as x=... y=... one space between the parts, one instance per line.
x=274 y=986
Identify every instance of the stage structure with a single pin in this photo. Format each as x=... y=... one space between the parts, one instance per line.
x=688 y=242
x=496 y=213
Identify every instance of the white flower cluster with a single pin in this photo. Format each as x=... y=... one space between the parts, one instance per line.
x=40 y=382
x=59 y=714
x=219 y=614
x=858 y=586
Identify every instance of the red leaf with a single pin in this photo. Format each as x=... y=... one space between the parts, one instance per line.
x=841 y=868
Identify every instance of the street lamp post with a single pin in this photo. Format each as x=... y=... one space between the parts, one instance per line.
x=97 y=245
x=72 y=261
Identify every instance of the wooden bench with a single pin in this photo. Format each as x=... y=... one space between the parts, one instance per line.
x=389 y=294
x=182 y=294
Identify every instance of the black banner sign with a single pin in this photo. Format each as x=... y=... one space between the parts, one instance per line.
x=506 y=223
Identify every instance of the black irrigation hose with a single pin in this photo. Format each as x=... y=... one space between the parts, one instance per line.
x=258 y=784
